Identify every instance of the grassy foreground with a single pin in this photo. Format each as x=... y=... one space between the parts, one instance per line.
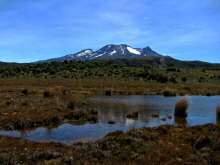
x=169 y=145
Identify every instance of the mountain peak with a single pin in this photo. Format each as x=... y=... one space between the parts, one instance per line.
x=148 y=47
x=108 y=52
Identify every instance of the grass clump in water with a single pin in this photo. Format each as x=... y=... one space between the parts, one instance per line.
x=111 y=122
x=181 y=107
x=133 y=115
x=218 y=114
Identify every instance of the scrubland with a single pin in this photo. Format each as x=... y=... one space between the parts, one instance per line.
x=39 y=95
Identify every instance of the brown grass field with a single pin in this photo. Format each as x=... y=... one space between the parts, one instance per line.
x=99 y=86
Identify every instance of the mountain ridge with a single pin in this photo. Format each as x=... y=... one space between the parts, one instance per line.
x=110 y=51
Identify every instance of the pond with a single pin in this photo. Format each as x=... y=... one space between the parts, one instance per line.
x=202 y=110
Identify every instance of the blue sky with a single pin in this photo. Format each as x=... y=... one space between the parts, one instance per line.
x=33 y=30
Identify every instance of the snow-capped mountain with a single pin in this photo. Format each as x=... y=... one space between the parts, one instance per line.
x=107 y=52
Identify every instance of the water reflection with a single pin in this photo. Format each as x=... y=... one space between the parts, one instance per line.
x=118 y=112
x=200 y=111
x=152 y=111
x=49 y=131
x=24 y=133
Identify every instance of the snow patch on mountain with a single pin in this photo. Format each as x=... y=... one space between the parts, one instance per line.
x=86 y=52
x=133 y=51
x=99 y=55
x=113 y=52
x=107 y=52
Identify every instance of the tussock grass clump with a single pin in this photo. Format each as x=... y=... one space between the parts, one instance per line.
x=49 y=93
x=163 y=119
x=108 y=92
x=24 y=91
x=155 y=115
x=71 y=103
x=181 y=107
x=208 y=94
x=169 y=92
x=133 y=115
x=218 y=114
x=111 y=122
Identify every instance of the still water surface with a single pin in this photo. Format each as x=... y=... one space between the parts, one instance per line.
x=202 y=110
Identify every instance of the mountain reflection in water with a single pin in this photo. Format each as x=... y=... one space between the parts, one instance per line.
x=152 y=111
